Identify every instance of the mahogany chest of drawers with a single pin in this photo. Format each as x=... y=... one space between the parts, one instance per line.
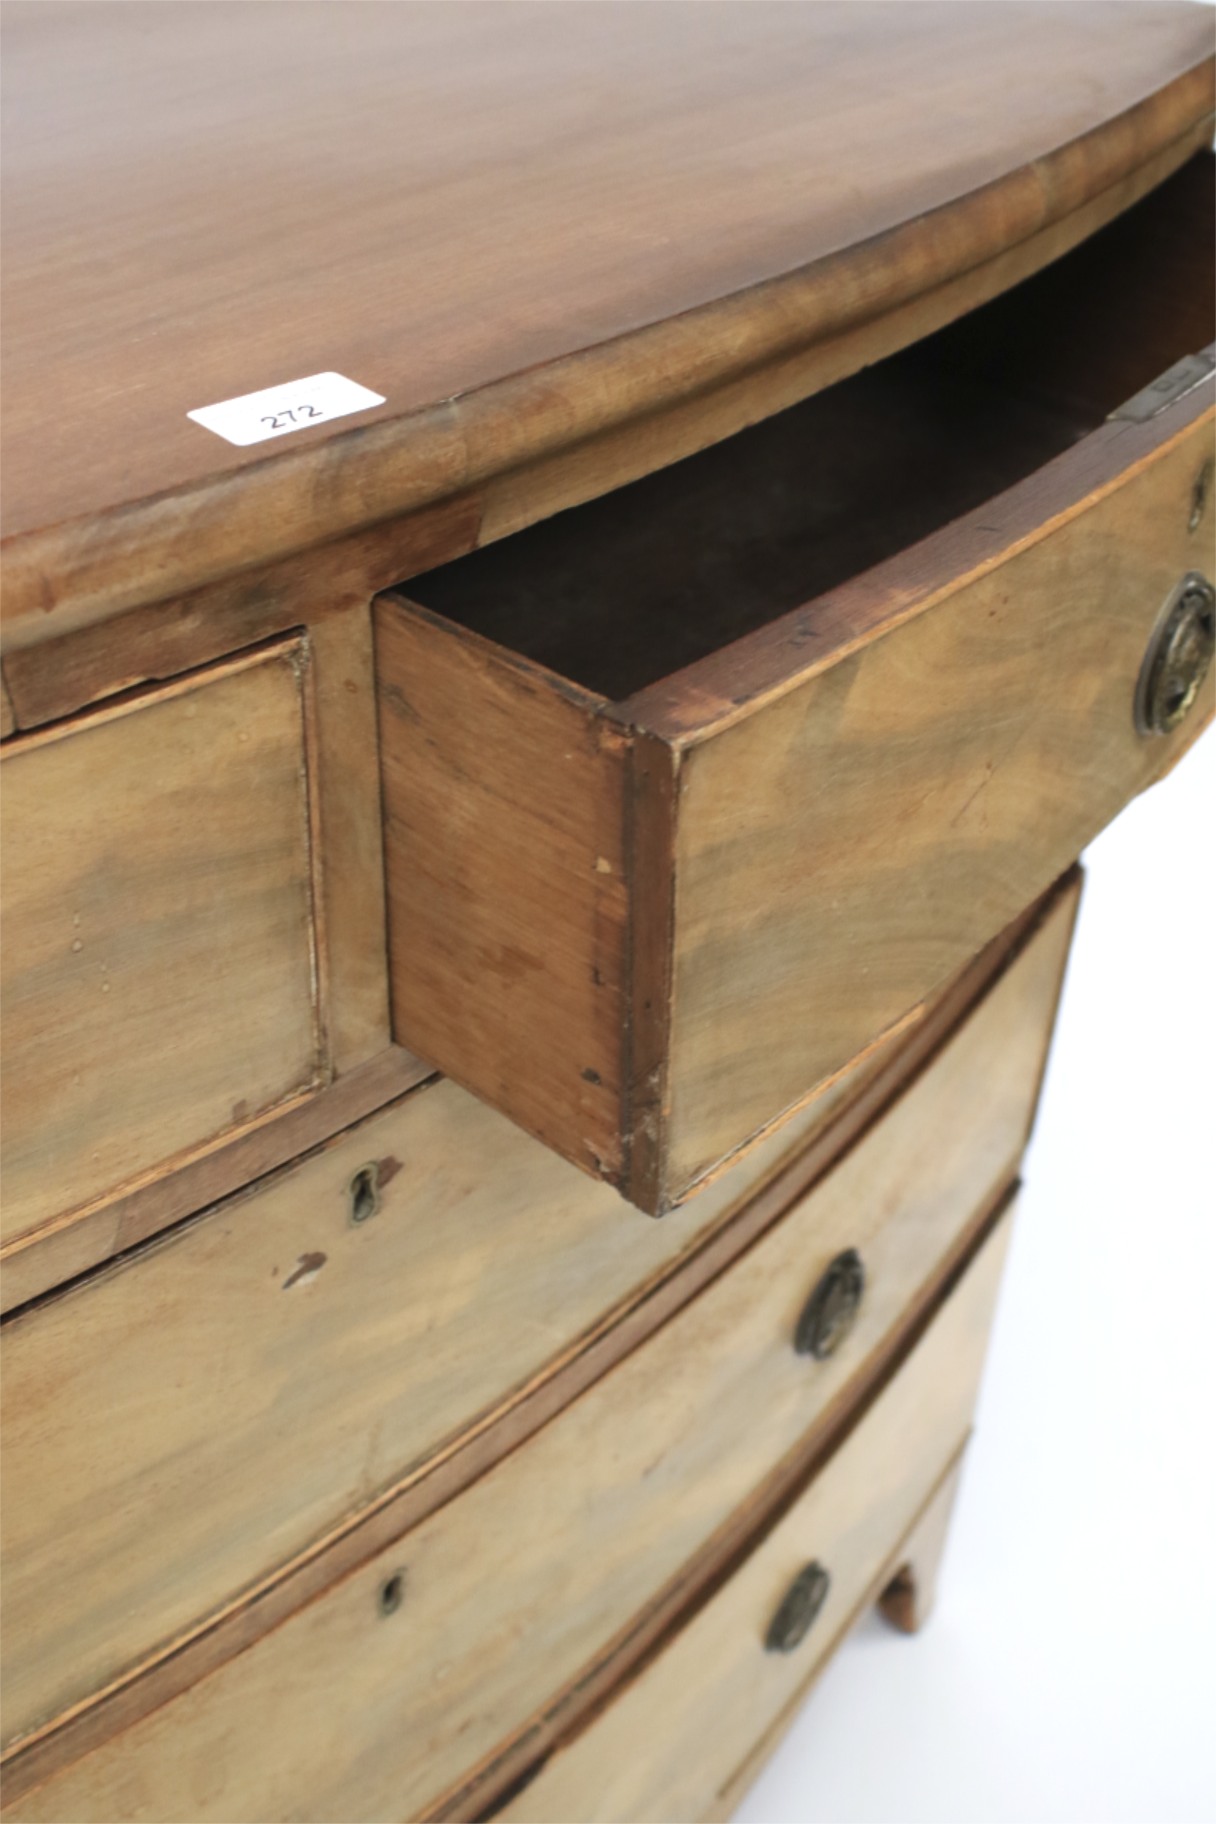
x=576 y=581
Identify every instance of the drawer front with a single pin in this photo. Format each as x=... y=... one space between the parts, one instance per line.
x=386 y=1689
x=843 y=844
x=159 y=959
x=675 y=1739
x=271 y=1367
x=695 y=790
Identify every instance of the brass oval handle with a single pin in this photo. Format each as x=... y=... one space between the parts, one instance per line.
x=1178 y=656
x=831 y=1310
x=798 y=1609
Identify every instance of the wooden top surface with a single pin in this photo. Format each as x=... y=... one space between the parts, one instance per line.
x=203 y=200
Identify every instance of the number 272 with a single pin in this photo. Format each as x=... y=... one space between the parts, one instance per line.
x=278 y=421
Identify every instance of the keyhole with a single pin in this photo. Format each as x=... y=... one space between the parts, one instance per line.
x=391 y=1593
x=365 y=1192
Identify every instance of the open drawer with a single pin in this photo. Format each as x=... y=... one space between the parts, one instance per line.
x=694 y=791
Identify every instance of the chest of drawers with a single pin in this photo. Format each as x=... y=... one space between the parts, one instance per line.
x=539 y=865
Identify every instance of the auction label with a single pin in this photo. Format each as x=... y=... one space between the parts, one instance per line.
x=277 y=411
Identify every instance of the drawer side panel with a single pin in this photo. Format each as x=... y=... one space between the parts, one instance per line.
x=504 y=803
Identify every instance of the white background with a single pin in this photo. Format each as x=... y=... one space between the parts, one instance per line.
x=1068 y=1673
x=1069 y=1670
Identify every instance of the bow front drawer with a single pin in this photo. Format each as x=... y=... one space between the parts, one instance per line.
x=411 y=1683
x=375 y=1325
x=680 y=1739
x=695 y=790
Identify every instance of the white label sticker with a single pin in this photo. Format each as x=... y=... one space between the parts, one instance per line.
x=278 y=410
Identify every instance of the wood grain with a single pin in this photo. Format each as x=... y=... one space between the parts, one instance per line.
x=349 y=837
x=727 y=685
x=654 y=577
x=273 y=1369
x=672 y=1741
x=783 y=1167
x=930 y=1525
x=619 y=456
x=54 y=672
x=34 y=1264
x=907 y=1598
x=774 y=926
x=1092 y=329
x=748 y=201
x=971 y=751
x=639 y=1471
x=505 y=837
x=339 y=756
x=159 y=969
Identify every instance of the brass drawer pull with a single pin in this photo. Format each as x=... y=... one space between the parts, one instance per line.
x=831 y=1310
x=798 y=1609
x=1178 y=656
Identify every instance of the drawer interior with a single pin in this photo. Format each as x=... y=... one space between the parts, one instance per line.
x=625 y=590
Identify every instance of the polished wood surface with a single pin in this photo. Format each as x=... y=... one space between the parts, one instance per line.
x=654 y=202
x=609 y=1500
x=274 y=1368
x=362 y=1458
x=506 y=842
x=654 y=577
x=907 y=1598
x=674 y=1740
x=160 y=955
x=35 y=1263
x=647 y=958
x=939 y=773
x=592 y=1235
x=337 y=1682
x=926 y=1539
x=348 y=821
x=140 y=960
